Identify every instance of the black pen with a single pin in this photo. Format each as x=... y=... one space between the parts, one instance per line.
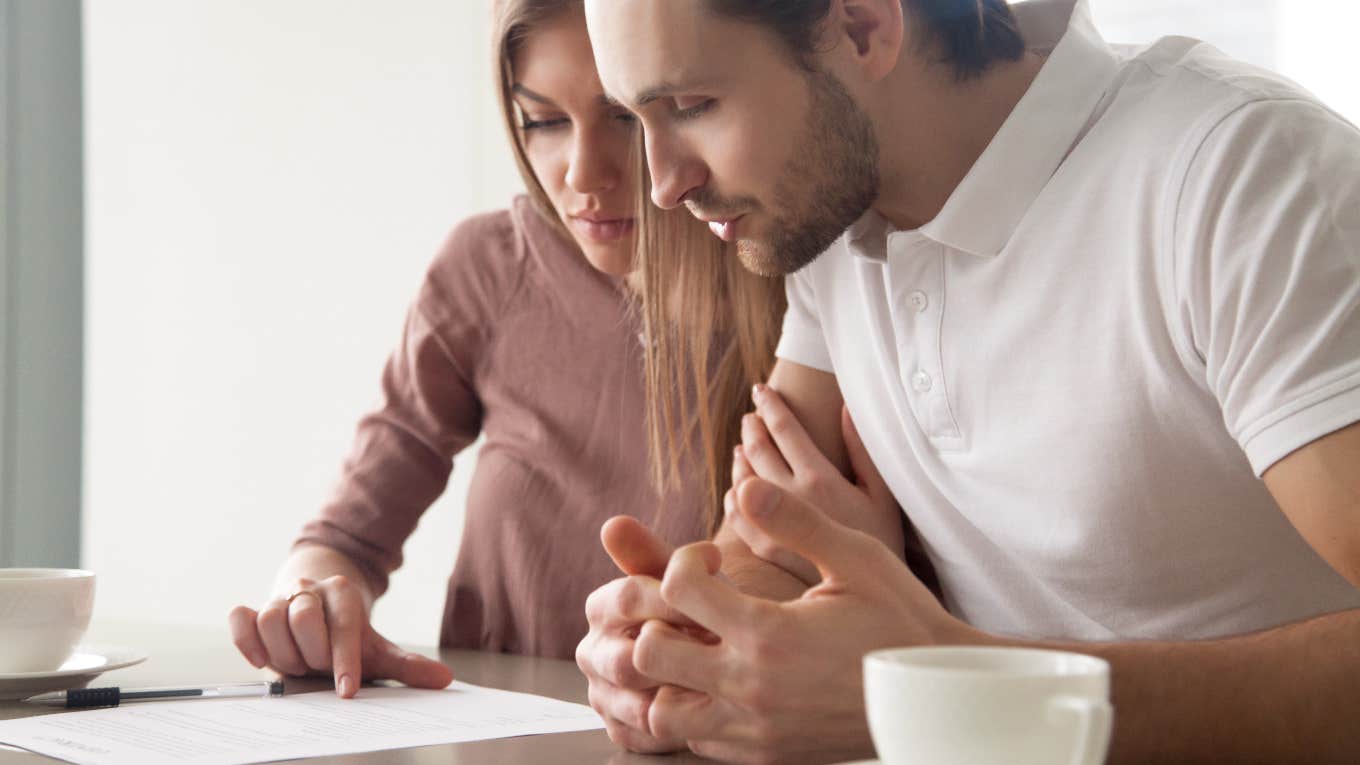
x=112 y=697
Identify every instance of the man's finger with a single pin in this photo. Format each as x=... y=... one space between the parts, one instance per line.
x=762 y=546
x=631 y=600
x=798 y=448
x=623 y=704
x=389 y=661
x=683 y=714
x=633 y=547
x=837 y=551
x=866 y=472
x=670 y=656
x=692 y=586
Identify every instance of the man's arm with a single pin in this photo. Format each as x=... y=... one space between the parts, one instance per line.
x=1287 y=694
x=1290 y=694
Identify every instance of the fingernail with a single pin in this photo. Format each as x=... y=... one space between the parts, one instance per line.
x=729 y=502
x=757 y=392
x=345 y=687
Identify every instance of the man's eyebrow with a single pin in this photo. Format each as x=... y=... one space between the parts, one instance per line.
x=532 y=96
x=656 y=92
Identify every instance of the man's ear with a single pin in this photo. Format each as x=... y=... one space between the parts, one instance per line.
x=869 y=34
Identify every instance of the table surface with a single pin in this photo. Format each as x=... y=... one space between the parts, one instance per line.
x=187 y=655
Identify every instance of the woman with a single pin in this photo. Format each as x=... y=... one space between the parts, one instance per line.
x=526 y=332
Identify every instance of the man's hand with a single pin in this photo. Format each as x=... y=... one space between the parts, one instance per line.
x=783 y=682
x=621 y=694
x=777 y=448
x=324 y=628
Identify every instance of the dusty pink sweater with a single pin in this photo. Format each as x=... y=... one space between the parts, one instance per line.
x=515 y=337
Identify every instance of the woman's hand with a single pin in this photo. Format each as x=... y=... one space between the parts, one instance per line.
x=323 y=627
x=775 y=447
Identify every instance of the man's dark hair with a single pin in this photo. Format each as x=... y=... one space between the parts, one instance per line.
x=970 y=34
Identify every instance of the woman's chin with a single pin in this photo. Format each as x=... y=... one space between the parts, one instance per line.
x=615 y=260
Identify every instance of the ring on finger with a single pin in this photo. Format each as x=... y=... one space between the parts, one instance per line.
x=295 y=594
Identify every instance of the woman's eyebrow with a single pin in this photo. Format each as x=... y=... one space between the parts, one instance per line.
x=519 y=89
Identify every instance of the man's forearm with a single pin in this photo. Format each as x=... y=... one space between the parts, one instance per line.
x=1285 y=695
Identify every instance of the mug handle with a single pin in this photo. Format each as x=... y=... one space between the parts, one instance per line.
x=1094 y=718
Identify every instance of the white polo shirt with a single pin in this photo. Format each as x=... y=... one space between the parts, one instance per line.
x=1145 y=292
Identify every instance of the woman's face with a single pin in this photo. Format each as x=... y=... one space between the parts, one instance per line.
x=576 y=141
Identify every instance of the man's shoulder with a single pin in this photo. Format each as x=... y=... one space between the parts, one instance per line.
x=1186 y=85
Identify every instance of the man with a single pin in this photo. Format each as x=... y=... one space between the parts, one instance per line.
x=1096 y=315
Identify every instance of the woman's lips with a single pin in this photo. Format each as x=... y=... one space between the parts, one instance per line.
x=603 y=231
x=725 y=230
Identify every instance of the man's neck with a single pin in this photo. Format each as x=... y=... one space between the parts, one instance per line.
x=933 y=130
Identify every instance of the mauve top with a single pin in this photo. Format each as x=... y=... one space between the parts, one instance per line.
x=516 y=337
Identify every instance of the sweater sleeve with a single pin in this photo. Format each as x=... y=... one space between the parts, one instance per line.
x=403 y=450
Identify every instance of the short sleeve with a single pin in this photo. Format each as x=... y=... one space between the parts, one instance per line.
x=1267 y=273
x=802 y=340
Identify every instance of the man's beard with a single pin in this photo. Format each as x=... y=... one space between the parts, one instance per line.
x=829 y=181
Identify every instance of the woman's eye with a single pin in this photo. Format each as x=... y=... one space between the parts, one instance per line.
x=687 y=107
x=529 y=123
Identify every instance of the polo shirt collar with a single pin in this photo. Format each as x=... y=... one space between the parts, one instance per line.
x=987 y=206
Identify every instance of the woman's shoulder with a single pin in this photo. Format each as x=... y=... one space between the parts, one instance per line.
x=482 y=262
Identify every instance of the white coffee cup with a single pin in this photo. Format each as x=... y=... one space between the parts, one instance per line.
x=43 y=614
x=976 y=706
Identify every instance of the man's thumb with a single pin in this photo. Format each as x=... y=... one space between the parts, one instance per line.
x=635 y=549
x=799 y=527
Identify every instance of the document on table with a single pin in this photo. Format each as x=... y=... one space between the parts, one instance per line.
x=240 y=731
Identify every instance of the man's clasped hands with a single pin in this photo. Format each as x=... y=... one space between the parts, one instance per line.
x=751 y=644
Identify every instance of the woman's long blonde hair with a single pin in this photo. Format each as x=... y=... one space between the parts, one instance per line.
x=512 y=22
x=711 y=329
x=710 y=325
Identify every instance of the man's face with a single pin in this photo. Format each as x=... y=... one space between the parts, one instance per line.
x=774 y=157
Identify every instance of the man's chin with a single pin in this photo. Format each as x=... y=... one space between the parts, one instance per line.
x=757 y=257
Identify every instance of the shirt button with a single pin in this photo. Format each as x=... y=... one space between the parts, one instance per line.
x=918 y=300
x=921 y=382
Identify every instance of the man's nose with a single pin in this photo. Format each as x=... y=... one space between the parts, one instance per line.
x=675 y=172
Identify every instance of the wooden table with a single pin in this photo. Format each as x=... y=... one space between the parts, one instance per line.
x=186 y=655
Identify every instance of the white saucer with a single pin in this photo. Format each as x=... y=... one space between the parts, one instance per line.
x=87 y=663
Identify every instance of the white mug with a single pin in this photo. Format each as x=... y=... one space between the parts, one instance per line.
x=956 y=705
x=43 y=614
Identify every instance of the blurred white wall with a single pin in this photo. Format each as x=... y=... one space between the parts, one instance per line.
x=1308 y=41
x=267 y=180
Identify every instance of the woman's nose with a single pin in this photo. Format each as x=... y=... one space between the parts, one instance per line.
x=595 y=163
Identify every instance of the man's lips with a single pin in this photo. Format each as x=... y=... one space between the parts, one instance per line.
x=725 y=229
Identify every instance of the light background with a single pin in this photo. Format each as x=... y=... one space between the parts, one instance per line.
x=266 y=182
